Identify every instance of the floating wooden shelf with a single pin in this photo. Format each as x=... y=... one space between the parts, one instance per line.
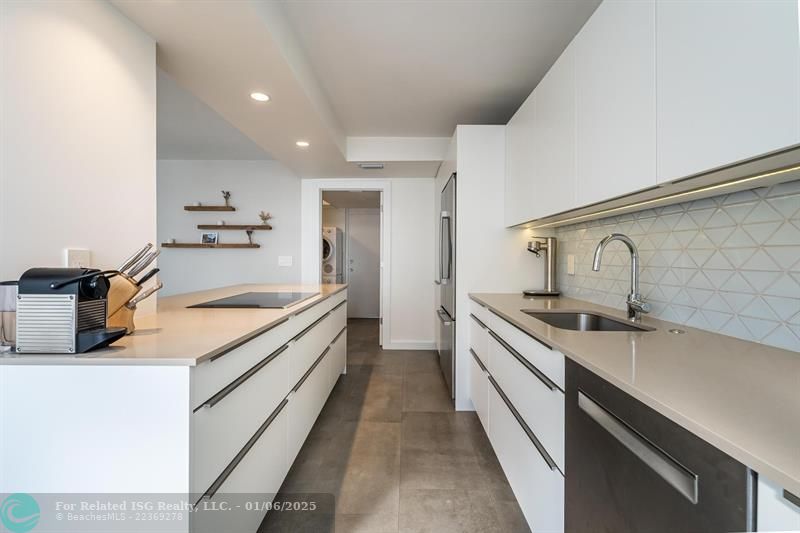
x=209 y=208
x=262 y=227
x=201 y=245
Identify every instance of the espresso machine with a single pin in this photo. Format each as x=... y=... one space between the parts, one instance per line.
x=63 y=310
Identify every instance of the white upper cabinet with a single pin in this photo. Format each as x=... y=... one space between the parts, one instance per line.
x=520 y=166
x=540 y=147
x=615 y=78
x=728 y=82
x=554 y=139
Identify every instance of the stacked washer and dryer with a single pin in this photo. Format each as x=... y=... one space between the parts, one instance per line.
x=332 y=255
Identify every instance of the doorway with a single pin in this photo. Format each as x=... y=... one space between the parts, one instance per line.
x=351 y=248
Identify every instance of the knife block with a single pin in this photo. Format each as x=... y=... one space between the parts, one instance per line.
x=122 y=289
x=123 y=318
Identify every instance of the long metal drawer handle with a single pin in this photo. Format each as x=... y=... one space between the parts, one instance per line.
x=791 y=498
x=478 y=360
x=311 y=369
x=681 y=478
x=540 y=341
x=336 y=338
x=527 y=364
x=309 y=328
x=248 y=339
x=530 y=434
x=478 y=320
x=337 y=307
x=218 y=397
x=212 y=490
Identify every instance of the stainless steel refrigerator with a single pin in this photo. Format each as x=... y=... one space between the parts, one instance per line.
x=446 y=338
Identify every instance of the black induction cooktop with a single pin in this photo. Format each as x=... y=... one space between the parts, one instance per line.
x=263 y=300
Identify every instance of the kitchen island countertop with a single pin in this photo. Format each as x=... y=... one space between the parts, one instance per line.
x=175 y=335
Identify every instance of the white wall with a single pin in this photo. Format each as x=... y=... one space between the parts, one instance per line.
x=78 y=134
x=413 y=302
x=254 y=186
x=408 y=244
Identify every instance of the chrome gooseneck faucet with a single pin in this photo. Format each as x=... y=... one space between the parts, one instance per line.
x=636 y=305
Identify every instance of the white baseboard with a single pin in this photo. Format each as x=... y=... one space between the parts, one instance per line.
x=409 y=345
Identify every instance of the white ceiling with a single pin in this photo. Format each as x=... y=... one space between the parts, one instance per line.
x=188 y=129
x=419 y=68
x=352 y=199
x=340 y=69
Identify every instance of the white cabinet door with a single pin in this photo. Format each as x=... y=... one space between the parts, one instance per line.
x=256 y=478
x=615 y=73
x=775 y=510
x=540 y=152
x=520 y=166
x=535 y=397
x=554 y=140
x=728 y=82
x=539 y=489
x=479 y=393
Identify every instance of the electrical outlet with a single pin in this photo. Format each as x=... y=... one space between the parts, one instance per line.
x=570 y=264
x=77 y=258
x=285 y=260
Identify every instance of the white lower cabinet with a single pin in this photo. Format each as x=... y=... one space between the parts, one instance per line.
x=777 y=510
x=230 y=418
x=254 y=480
x=251 y=419
x=538 y=488
x=479 y=389
x=516 y=386
x=537 y=398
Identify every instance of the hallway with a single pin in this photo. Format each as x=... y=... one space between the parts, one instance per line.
x=389 y=454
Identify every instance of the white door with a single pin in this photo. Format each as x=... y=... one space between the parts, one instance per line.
x=364 y=263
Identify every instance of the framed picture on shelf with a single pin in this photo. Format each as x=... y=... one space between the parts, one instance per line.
x=211 y=237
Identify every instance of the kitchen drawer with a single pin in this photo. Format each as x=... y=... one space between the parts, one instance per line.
x=256 y=478
x=777 y=510
x=479 y=389
x=338 y=356
x=539 y=489
x=534 y=395
x=210 y=376
x=479 y=338
x=225 y=423
x=549 y=361
x=481 y=313
x=309 y=343
x=305 y=403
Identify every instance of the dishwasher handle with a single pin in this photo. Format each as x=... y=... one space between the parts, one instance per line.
x=681 y=478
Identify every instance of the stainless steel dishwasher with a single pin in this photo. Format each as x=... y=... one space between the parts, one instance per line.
x=630 y=469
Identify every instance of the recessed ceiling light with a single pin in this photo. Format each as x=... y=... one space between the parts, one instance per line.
x=303 y=144
x=259 y=97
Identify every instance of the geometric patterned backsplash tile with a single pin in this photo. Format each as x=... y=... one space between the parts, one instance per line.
x=729 y=264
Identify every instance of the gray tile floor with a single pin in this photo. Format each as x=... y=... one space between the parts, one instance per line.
x=390 y=454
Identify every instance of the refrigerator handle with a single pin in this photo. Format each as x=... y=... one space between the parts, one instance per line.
x=445 y=216
x=441 y=247
x=444 y=318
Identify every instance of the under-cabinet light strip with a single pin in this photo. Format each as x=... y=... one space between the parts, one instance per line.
x=600 y=214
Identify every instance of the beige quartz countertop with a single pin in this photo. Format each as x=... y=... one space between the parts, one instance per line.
x=740 y=396
x=175 y=335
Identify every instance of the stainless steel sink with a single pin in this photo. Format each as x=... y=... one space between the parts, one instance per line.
x=578 y=321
